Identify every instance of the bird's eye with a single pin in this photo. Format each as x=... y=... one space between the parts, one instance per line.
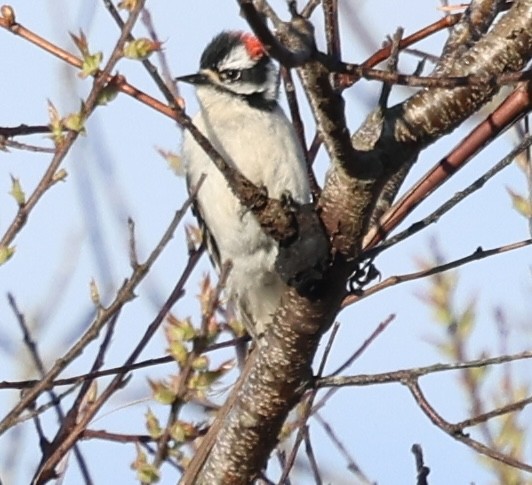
x=230 y=75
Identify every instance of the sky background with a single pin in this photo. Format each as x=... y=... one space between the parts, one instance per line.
x=78 y=232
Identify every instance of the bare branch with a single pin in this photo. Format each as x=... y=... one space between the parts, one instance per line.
x=55 y=401
x=188 y=367
x=124 y=294
x=22 y=130
x=474 y=22
x=457 y=434
x=352 y=466
x=415 y=373
x=26 y=384
x=476 y=255
x=77 y=429
x=510 y=110
x=311 y=458
x=297 y=46
x=422 y=470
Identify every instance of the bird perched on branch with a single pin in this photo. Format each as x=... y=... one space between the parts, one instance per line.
x=237 y=87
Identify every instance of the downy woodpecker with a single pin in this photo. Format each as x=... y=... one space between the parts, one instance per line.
x=237 y=88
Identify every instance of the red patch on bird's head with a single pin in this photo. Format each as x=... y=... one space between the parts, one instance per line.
x=253 y=46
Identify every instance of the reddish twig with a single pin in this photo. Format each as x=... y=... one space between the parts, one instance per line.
x=450 y=203
x=511 y=109
x=332 y=29
x=119 y=82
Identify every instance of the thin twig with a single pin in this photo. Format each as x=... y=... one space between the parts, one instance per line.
x=119 y=82
x=281 y=457
x=24 y=146
x=382 y=54
x=188 y=368
x=476 y=255
x=378 y=331
x=351 y=464
x=275 y=48
x=80 y=403
x=101 y=80
x=507 y=113
x=309 y=8
x=22 y=130
x=167 y=359
x=422 y=470
x=265 y=8
x=299 y=128
x=311 y=457
x=117 y=382
x=167 y=88
x=54 y=399
x=116 y=437
x=484 y=417
x=332 y=29
x=124 y=294
x=456 y=433
x=416 y=372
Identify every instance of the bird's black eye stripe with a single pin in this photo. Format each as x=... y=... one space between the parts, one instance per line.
x=230 y=75
x=254 y=75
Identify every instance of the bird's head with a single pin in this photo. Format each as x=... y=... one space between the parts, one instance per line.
x=237 y=64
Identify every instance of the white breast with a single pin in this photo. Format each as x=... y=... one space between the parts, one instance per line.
x=262 y=145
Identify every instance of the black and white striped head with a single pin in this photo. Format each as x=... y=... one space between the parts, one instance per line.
x=236 y=63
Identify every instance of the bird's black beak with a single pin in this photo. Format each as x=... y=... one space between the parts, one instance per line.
x=196 y=79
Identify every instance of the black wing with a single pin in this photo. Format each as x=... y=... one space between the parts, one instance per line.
x=207 y=239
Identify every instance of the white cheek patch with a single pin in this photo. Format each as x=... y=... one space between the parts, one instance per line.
x=238 y=58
